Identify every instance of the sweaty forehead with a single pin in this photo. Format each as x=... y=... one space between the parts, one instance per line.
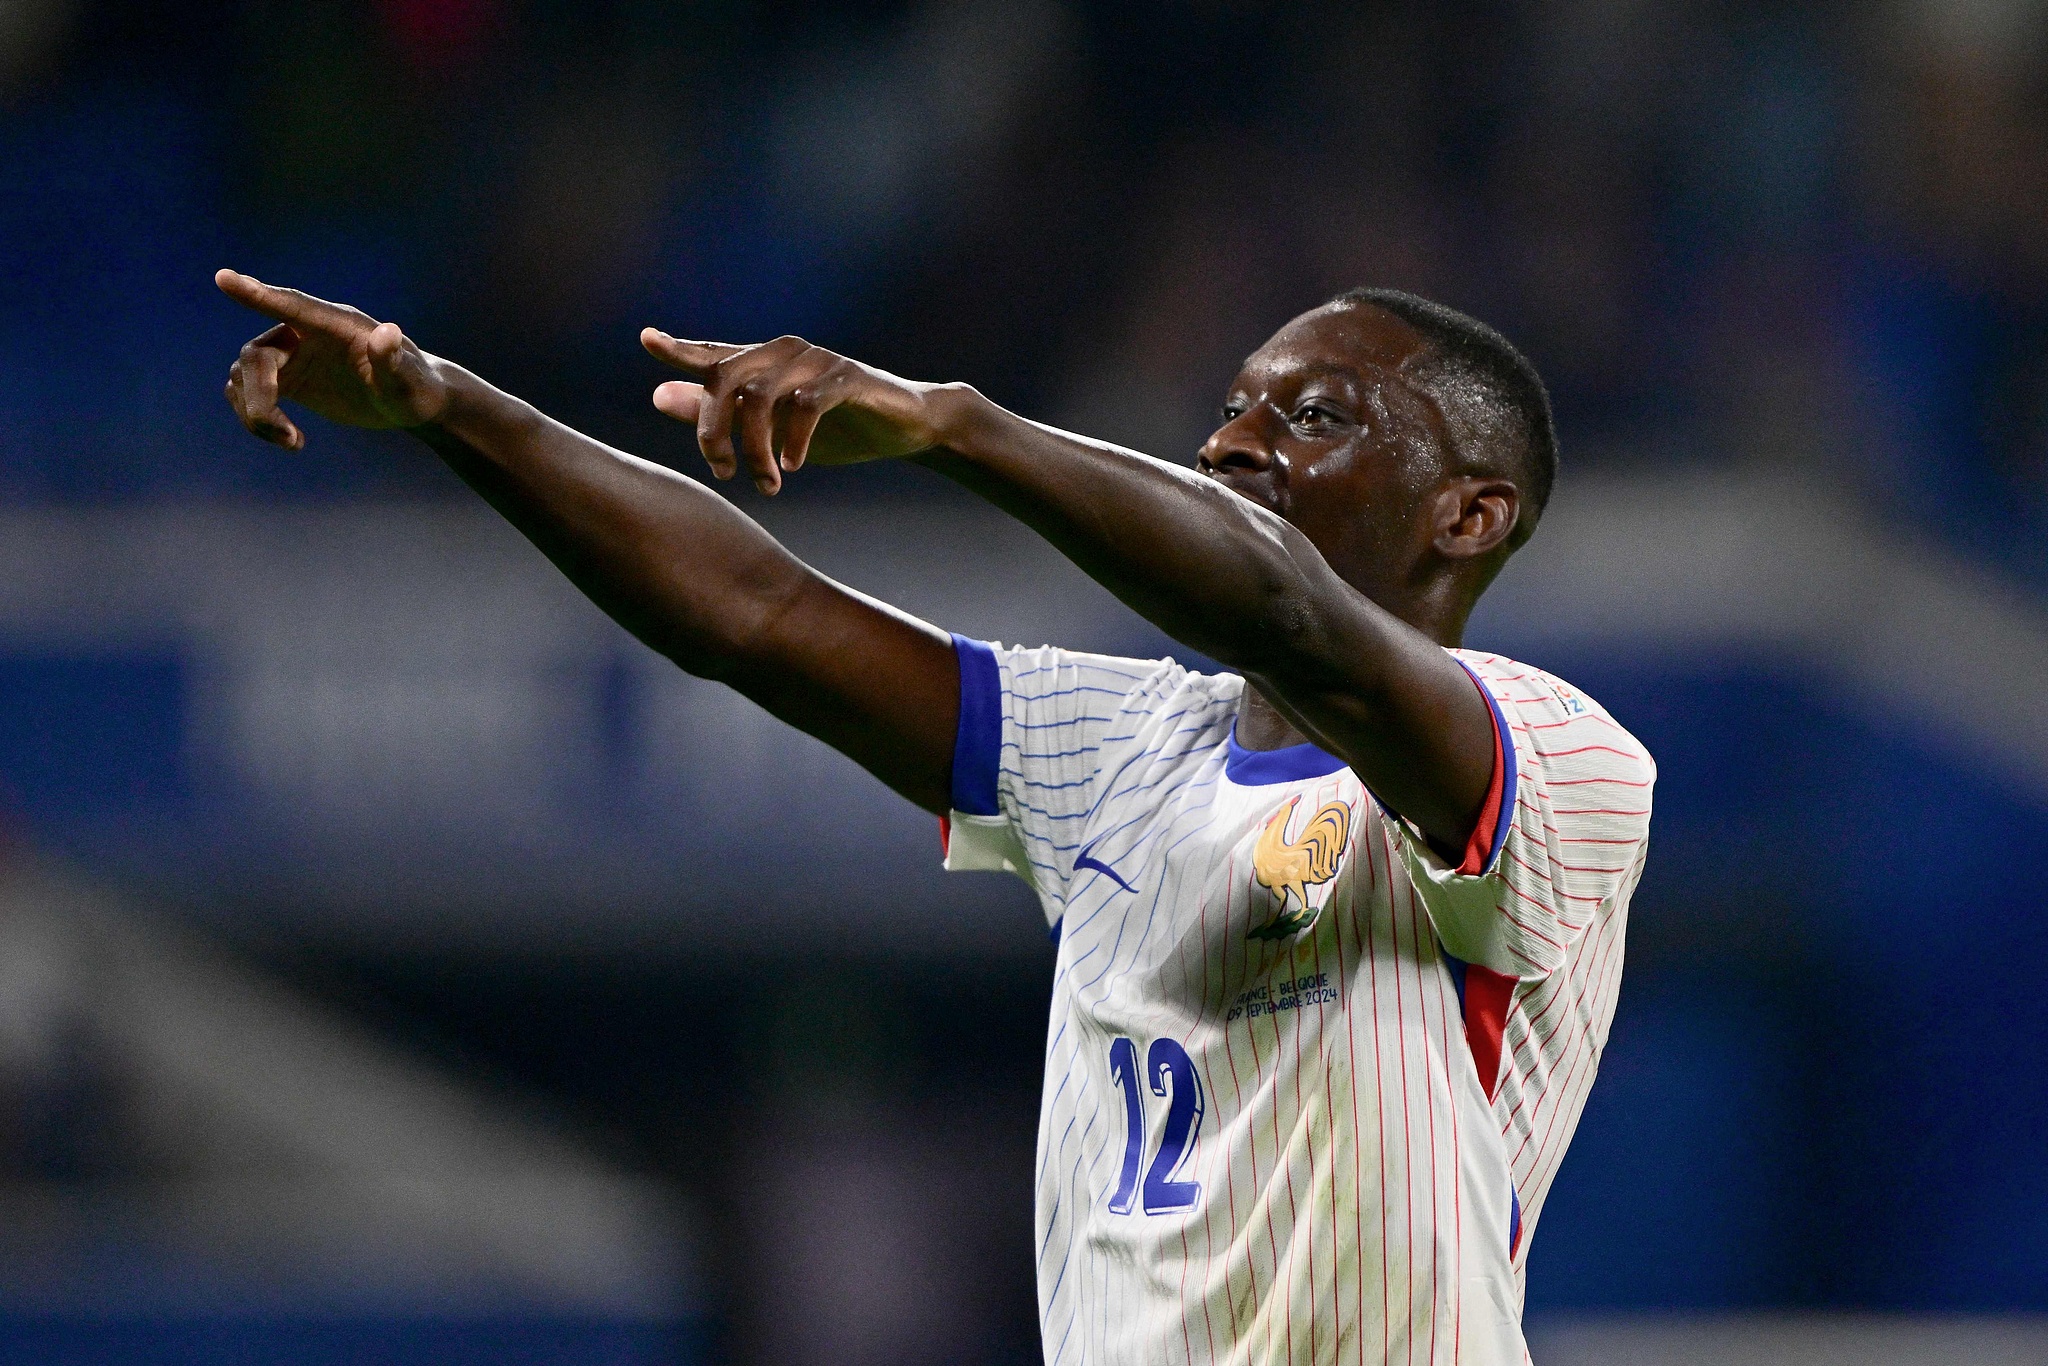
x=1354 y=339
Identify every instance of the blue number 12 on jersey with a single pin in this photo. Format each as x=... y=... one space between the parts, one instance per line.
x=1165 y=1062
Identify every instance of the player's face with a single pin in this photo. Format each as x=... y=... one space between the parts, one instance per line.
x=1319 y=427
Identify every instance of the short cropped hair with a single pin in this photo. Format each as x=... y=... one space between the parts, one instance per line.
x=1492 y=399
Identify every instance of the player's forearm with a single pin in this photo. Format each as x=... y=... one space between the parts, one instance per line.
x=1206 y=566
x=705 y=585
x=668 y=559
x=671 y=561
x=1214 y=570
x=1238 y=583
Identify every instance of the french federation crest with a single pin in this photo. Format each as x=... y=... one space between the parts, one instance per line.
x=1291 y=866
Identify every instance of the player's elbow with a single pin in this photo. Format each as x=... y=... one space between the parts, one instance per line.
x=1275 y=630
x=1284 y=621
x=1268 y=610
x=736 y=634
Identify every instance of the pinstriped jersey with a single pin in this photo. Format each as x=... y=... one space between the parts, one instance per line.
x=1307 y=1084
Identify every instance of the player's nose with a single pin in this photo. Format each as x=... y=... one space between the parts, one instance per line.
x=1235 y=447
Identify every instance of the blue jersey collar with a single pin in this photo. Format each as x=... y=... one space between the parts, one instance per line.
x=1258 y=767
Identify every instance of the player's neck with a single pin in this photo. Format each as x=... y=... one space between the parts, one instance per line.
x=1260 y=725
x=1438 y=609
x=1431 y=597
x=1440 y=615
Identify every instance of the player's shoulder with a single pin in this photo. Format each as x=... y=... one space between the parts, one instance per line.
x=1035 y=668
x=1131 y=684
x=1554 y=718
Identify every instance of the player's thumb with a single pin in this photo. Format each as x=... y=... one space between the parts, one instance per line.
x=680 y=399
x=400 y=375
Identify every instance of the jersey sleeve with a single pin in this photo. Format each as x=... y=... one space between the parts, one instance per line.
x=1034 y=724
x=1564 y=828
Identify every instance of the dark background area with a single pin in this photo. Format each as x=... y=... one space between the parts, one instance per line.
x=1801 y=242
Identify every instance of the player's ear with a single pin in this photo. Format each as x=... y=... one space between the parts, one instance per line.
x=1474 y=514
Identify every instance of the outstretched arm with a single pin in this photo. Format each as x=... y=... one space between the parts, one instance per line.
x=1239 y=583
x=671 y=561
x=1210 y=568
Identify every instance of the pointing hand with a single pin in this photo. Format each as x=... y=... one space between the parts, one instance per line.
x=772 y=407
x=335 y=360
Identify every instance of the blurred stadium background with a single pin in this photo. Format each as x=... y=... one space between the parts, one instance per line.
x=398 y=963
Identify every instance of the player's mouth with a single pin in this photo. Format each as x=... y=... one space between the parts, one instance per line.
x=1252 y=485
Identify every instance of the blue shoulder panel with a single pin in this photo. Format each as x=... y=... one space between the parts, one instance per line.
x=978 y=743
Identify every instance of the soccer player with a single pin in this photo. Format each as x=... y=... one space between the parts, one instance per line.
x=1339 y=934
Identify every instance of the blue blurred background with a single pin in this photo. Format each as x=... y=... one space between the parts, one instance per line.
x=399 y=963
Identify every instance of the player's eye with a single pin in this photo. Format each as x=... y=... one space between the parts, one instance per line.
x=1314 y=415
x=1231 y=412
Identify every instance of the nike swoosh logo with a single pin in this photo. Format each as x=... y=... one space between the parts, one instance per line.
x=1086 y=859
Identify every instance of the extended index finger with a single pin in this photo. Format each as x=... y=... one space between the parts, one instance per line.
x=286 y=305
x=694 y=358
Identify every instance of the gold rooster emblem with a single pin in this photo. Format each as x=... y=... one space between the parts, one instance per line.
x=1282 y=865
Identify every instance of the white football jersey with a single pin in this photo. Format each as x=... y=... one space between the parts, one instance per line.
x=1306 y=1085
